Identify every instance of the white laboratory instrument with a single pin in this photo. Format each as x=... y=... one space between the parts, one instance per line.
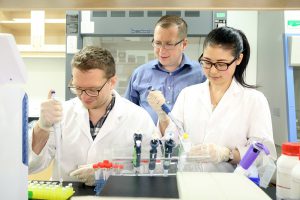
x=13 y=122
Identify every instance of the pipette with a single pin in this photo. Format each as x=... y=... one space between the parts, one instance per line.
x=169 y=145
x=137 y=151
x=181 y=133
x=166 y=109
x=153 y=154
x=178 y=125
x=57 y=133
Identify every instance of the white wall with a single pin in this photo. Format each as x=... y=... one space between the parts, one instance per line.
x=44 y=74
x=246 y=21
x=271 y=70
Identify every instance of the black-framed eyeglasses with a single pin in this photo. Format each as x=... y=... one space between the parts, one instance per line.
x=221 y=66
x=168 y=46
x=92 y=92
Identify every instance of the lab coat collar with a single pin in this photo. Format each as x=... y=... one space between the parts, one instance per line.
x=230 y=97
x=234 y=89
x=115 y=116
x=113 y=119
x=82 y=117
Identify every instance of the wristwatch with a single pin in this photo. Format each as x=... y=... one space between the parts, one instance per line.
x=231 y=155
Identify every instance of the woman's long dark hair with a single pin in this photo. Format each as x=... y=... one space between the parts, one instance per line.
x=236 y=41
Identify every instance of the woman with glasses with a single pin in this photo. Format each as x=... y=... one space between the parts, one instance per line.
x=95 y=125
x=224 y=114
x=171 y=71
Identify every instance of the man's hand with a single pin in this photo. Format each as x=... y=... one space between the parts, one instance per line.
x=156 y=99
x=85 y=174
x=51 y=113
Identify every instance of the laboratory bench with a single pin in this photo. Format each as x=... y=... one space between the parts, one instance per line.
x=186 y=185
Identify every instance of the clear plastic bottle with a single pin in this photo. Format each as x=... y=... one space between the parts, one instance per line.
x=285 y=163
x=186 y=142
x=295 y=185
x=185 y=148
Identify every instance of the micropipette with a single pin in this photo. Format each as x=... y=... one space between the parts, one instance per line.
x=57 y=133
x=169 y=144
x=153 y=154
x=181 y=133
x=166 y=109
x=137 y=151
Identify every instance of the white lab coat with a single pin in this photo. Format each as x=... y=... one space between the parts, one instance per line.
x=241 y=116
x=78 y=147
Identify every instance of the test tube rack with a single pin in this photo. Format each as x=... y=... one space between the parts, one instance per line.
x=49 y=190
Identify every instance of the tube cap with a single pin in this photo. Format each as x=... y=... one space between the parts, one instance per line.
x=290 y=149
x=185 y=136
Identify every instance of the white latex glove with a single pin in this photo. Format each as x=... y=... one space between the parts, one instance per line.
x=85 y=174
x=156 y=135
x=51 y=113
x=213 y=152
x=156 y=99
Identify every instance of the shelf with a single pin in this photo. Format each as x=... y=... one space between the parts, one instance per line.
x=19 y=24
x=55 y=33
x=21 y=31
x=43 y=54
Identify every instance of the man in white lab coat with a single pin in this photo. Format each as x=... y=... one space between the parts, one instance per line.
x=97 y=121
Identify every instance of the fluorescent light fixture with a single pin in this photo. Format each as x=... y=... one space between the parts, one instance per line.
x=37 y=28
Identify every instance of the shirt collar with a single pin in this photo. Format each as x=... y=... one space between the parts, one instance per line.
x=185 y=62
